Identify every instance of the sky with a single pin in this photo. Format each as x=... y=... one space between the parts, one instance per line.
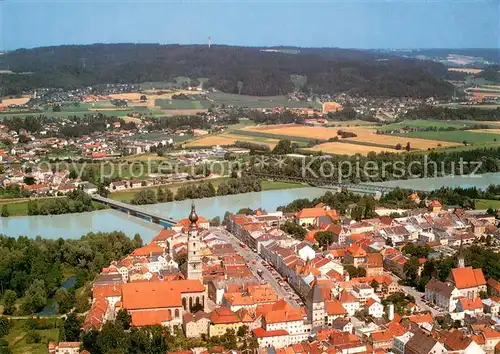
x=302 y=23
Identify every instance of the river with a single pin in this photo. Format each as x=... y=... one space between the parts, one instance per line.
x=74 y=225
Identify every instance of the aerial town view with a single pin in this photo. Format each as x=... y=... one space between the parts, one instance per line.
x=282 y=177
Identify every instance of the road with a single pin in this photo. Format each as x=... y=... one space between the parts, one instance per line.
x=254 y=263
x=418 y=298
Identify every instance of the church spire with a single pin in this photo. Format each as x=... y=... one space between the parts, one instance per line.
x=193 y=217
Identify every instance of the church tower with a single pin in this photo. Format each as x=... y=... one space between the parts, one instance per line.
x=194 y=266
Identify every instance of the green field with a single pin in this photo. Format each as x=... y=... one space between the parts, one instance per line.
x=420 y=123
x=259 y=102
x=17 y=209
x=457 y=136
x=164 y=103
x=486 y=203
x=17 y=341
x=274 y=185
x=258 y=134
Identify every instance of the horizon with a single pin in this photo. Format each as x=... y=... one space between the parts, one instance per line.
x=368 y=25
x=253 y=46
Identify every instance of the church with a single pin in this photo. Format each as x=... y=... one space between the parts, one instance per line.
x=166 y=302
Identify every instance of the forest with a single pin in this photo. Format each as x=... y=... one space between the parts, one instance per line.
x=231 y=69
x=33 y=270
x=440 y=113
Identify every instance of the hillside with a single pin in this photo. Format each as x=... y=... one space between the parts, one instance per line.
x=328 y=70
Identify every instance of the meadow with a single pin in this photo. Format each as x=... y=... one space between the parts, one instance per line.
x=420 y=123
x=18 y=343
x=259 y=102
x=457 y=136
x=182 y=104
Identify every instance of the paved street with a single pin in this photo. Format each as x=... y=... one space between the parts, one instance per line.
x=418 y=298
x=254 y=262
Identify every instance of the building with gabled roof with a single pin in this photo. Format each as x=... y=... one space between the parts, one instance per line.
x=423 y=343
x=469 y=281
x=457 y=341
x=443 y=294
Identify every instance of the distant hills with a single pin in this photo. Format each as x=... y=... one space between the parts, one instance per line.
x=260 y=72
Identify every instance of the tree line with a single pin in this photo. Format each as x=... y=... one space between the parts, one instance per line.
x=443 y=113
x=195 y=191
x=75 y=201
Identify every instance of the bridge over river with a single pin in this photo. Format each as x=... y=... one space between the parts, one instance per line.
x=136 y=211
x=330 y=184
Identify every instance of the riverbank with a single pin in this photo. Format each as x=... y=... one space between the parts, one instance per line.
x=19 y=207
x=127 y=195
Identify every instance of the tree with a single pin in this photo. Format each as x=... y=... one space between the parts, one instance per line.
x=124 y=318
x=56 y=108
x=5 y=211
x=245 y=211
x=138 y=241
x=71 y=328
x=242 y=331
x=65 y=300
x=143 y=98
x=161 y=195
x=411 y=270
x=398 y=146
x=408 y=146
x=35 y=298
x=284 y=147
x=324 y=238
x=113 y=337
x=4 y=326
x=294 y=229
x=9 y=302
x=215 y=221
x=102 y=191
x=374 y=284
x=146 y=196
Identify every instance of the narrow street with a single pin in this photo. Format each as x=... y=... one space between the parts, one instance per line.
x=255 y=263
x=418 y=298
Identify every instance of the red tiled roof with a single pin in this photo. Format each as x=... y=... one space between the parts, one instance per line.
x=114 y=290
x=471 y=304
x=158 y=294
x=494 y=284
x=223 y=315
x=356 y=251
x=334 y=307
x=467 y=277
x=164 y=234
x=310 y=213
x=147 y=250
x=425 y=318
x=261 y=333
x=150 y=317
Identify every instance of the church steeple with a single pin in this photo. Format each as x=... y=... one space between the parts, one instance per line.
x=194 y=265
x=193 y=217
